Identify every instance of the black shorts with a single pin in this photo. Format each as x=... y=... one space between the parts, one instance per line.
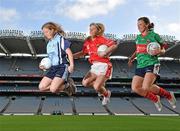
x=152 y=68
x=60 y=71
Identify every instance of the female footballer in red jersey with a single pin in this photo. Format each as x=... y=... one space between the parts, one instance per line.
x=147 y=70
x=101 y=68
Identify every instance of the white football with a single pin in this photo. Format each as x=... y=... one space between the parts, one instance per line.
x=102 y=49
x=153 y=48
x=46 y=62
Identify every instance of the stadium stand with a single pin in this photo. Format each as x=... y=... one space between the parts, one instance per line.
x=59 y=104
x=23 y=105
x=19 y=77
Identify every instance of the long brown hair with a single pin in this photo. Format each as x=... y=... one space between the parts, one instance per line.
x=147 y=22
x=54 y=26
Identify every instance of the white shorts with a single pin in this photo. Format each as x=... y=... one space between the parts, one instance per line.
x=100 y=68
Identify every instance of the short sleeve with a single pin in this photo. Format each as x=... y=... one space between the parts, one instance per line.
x=107 y=42
x=159 y=39
x=84 y=49
x=66 y=44
x=136 y=40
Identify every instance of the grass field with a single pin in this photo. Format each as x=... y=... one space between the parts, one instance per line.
x=89 y=123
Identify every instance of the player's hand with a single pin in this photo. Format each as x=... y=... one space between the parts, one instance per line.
x=104 y=54
x=162 y=52
x=70 y=69
x=130 y=62
x=41 y=67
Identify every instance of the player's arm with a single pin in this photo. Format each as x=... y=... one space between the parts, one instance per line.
x=163 y=50
x=79 y=54
x=131 y=59
x=71 y=60
x=113 y=46
x=111 y=49
x=162 y=43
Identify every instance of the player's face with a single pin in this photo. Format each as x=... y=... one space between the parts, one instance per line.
x=142 y=27
x=48 y=33
x=92 y=30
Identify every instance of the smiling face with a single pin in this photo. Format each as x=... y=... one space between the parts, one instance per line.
x=142 y=26
x=48 y=33
x=93 y=30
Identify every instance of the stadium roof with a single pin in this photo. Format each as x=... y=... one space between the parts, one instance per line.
x=173 y=51
x=14 y=43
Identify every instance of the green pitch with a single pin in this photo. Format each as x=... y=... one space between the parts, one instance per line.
x=89 y=123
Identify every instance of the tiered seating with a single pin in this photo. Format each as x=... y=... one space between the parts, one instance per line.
x=29 y=66
x=84 y=105
x=24 y=105
x=19 y=66
x=61 y=104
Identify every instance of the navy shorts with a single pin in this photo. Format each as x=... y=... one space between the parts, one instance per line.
x=152 y=68
x=60 y=71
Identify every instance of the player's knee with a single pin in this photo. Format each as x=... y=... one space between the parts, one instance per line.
x=53 y=90
x=85 y=83
x=41 y=87
x=135 y=88
x=146 y=87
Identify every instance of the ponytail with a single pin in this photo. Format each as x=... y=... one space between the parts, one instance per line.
x=147 y=22
x=151 y=26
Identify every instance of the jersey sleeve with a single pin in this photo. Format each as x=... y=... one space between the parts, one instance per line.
x=84 y=48
x=67 y=44
x=136 y=39
x=136 y=42
x=159 y=39
x=107 y=41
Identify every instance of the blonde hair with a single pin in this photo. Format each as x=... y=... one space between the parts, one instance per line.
x=54 y=26
x=100 y=29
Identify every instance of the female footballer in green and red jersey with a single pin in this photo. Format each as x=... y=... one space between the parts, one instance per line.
x=148 y=66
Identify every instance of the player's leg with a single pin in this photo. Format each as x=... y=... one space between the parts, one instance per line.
x=44 y=85
x=60 y=85
x=99 y=84
x=100 y=88
x=164 y=93
x=89 y=79
x=154 y=73
x=137 y=82
x=57 y=85
x=47 y=79
x=62 y=81
x=103 y=72
x=136 y=85
x=148 y=81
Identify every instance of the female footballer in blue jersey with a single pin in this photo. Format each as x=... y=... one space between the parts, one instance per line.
x=58 y=49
